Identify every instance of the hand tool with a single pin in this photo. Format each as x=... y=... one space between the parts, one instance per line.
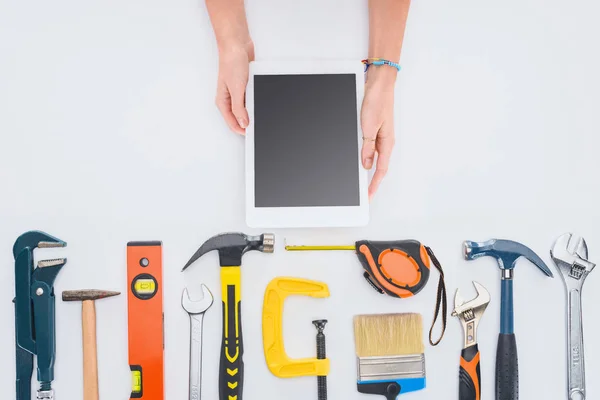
x=321 y=355
x=88 y=298
x=145 y=319
x=398 y=268
x=35 y=332
x=570 y=256
x=231 y=248
x=391 y=354
x=196 y=310
x=469 y=313
x=277 y=360
x=506 y=253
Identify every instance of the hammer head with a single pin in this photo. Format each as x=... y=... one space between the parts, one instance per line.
x=87 y=294
x=232 y=246
x=506 y=252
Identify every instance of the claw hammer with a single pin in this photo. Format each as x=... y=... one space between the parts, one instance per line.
x=231 y=248
x=506 y=253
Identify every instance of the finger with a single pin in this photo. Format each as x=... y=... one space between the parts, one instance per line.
x=224 y=106
x=238 y=104
x=385 y=145
x=369 y=144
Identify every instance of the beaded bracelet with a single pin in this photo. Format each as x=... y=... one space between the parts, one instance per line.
x=379 y=61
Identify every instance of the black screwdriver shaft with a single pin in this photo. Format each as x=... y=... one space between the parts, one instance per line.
x=321 y=355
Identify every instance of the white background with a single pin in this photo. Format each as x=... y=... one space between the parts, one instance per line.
x=110 y=133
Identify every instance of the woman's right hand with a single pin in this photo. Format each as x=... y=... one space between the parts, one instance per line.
x=231 y=86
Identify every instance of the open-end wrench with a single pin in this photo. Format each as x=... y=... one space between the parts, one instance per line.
x=570 y=256
x=196 y=310
x=469 y=313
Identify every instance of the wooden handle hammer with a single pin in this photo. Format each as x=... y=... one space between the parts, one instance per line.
x=88 y=325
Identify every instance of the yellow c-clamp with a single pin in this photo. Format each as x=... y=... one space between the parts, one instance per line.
x=277 y=360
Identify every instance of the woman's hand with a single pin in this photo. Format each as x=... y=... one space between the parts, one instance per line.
x=231 y=85
x=377 y=120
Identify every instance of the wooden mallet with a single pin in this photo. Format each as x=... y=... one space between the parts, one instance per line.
x=88 y=323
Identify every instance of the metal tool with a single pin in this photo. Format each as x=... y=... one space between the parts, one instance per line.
x=88 y=298
x=231 y=248
x=570 y=256
x=506 y=253
x=321 y=355
x=35 y=313
x=145 y=320
x=470 y=313
x=196 y=310
x=277 y=360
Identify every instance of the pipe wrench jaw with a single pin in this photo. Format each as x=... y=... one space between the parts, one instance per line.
x=570 y=254
x=36 y=239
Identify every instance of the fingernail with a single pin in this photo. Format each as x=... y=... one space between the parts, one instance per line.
x=368 y=163
x=242 y=122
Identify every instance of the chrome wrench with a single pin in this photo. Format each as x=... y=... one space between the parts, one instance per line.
x=196 y=310
x=570 y=256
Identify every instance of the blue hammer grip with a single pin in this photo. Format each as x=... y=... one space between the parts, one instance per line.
x=44 y=312
x=507 y=320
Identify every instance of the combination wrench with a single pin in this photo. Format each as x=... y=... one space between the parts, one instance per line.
x=196 y=310
x=570 y=256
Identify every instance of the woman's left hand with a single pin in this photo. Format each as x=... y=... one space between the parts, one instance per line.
x=377 y=121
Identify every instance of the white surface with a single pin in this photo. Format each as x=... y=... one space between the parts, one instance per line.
x=110 y=133
x=304 y=217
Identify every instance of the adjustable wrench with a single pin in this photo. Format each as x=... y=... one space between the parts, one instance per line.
x=196 y=310
x=469 y=313
x=570 y=256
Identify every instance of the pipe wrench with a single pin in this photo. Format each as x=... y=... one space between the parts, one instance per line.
x=196 y=310
x=570 y=256
x=34 y=313
x=469 y=313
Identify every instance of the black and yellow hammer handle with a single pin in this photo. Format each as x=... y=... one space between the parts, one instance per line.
x=470 y=375
x=231 y=373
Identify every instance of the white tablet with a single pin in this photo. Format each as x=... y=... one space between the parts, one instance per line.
x=303 y=145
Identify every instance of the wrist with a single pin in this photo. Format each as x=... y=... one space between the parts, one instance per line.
x=235 y=45
x=382 y=75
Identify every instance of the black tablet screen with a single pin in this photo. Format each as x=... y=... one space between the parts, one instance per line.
x=306 y=143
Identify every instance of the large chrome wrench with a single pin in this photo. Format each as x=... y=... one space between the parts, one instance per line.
x=196 y=310
x=570 y=256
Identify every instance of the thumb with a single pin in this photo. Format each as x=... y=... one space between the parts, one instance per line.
x=238 y=104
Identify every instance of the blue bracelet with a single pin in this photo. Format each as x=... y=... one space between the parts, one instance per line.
x=380 y=61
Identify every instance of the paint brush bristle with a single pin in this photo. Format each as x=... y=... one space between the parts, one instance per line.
x=388 y=335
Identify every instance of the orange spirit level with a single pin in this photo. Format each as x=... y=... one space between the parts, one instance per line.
x=145 y=315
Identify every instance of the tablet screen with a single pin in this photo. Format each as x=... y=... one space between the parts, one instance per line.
x=306 y=141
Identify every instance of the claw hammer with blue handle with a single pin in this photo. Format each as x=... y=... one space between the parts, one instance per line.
x=506 y=252
x=34 y=313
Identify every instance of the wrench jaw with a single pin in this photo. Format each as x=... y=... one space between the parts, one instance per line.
x=197 y=307
x=470 y=313
x=570 y=253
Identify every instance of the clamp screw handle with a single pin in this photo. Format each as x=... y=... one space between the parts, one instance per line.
x=321 y=355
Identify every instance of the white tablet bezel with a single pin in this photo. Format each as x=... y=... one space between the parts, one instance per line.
x=305 y=217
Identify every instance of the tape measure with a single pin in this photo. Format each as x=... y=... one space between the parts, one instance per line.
x=145 y=320
x=398 y=268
